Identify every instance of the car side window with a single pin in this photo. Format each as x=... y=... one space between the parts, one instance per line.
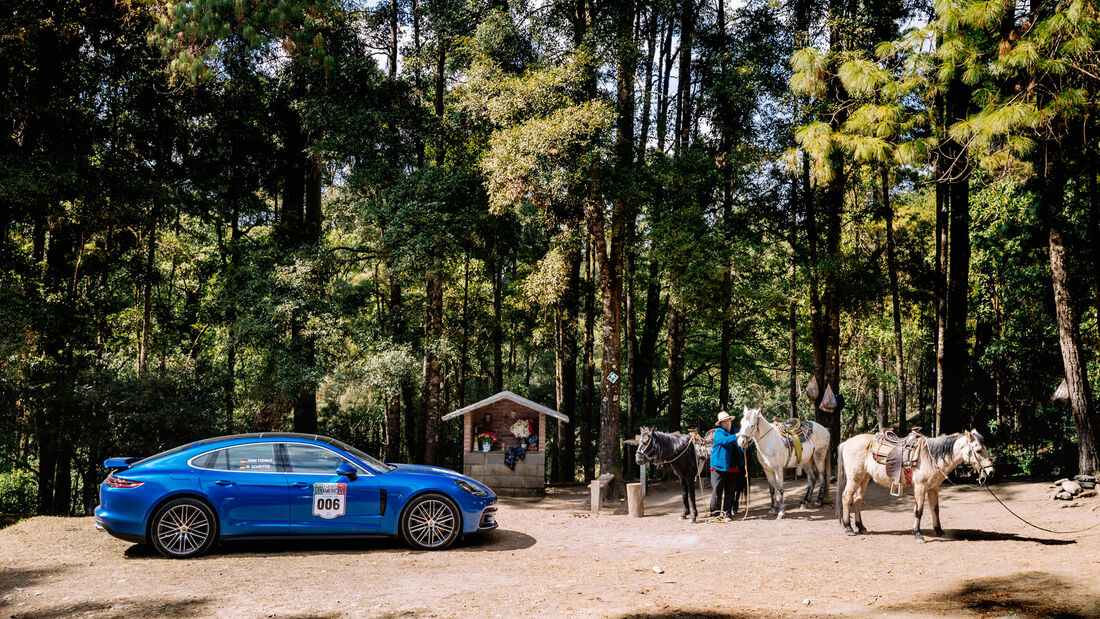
x=215 y=460
x=255 y=458
x=310 y=459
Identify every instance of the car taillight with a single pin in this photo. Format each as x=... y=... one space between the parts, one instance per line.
x=118 y=482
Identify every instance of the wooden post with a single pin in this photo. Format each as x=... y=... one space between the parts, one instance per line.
x=467 y=434
x=634 y=504
x=596 y=496
x=645 y=473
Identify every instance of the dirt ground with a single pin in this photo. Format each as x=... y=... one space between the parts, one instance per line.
x=551 y=558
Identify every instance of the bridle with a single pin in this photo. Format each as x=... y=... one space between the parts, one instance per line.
x=756 y=429
x=972 y=458
x=650 y=458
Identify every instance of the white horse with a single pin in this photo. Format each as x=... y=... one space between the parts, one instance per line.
x=937 y=457
x=776 y=454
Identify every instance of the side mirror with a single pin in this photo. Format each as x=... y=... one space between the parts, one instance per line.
x=347 y=470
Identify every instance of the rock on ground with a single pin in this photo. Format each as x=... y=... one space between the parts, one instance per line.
x=1071 y=487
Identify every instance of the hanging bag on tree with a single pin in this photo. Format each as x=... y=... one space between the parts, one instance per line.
x=811 y=389
x=1061 y=394
x=828 y=401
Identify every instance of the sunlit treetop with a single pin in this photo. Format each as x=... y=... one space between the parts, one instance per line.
x=195 y=35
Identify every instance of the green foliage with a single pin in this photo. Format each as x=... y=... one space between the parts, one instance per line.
x=18 y=492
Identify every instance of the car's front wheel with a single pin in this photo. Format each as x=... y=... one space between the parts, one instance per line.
x=431 y=522
x=183 y=528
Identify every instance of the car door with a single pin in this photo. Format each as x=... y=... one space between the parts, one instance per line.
x=247 y=488
x=323 y=502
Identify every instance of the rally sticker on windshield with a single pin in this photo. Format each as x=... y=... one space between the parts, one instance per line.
x=329 y=500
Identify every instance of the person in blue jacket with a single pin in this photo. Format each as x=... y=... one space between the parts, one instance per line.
x=727 y=468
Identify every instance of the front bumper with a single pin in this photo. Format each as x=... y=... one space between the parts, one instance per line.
x=488 y=519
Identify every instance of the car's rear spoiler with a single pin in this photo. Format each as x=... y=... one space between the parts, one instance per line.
x=119 y=463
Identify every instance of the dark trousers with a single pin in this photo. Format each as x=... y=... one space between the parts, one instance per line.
x=726 y=490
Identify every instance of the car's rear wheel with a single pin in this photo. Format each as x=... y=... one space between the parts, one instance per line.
x=431 y=522
x=183 y=528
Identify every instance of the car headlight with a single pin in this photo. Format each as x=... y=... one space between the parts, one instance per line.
x=468 y=487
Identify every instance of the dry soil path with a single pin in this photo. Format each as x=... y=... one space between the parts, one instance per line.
x=551 y=558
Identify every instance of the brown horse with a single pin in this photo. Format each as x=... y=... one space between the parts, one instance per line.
x=937 y=457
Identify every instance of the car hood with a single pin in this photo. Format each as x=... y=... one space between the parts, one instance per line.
x=436 y=472
x=430 y=471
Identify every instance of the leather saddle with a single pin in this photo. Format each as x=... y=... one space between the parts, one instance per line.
x=899 y=455
x=794 y=432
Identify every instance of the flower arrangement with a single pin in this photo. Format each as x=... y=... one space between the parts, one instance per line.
x=521 y=429
x=488 y=436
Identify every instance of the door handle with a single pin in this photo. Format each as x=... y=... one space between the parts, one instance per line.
x=300 y=484
x=223 y=482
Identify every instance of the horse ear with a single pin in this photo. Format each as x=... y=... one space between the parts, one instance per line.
x=744 y=411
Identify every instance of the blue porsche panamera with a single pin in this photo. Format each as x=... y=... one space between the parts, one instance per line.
x=284 y=485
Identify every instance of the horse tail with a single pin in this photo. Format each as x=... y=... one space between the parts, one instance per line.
x=828 y=471
x=841 y=479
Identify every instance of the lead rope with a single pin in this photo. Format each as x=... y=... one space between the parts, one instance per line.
x=981 y=483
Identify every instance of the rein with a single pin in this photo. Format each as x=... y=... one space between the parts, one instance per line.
x=981 y=483
x=678 y=456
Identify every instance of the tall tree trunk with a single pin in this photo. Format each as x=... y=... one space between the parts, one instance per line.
x=433 y=367
x=230 y=386
x=305 y=404
x=395 y=11
x=677 y=316
x=609 y=245
x=417 y=79
x=565 y=383
x=895 y=301
x=958 y=273
x=647 y=92
x=942 y=211
x=792 y=307
x=589 y=424
x=497 y=263
x=1052 y=200
x=663 y=78
x=832 y=206
x=147 y=294
x=52 y=416
x=440 y=88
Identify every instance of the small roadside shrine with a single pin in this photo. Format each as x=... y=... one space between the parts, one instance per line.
x=496 y=431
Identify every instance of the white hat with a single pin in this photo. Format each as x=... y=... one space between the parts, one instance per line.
x=722 y=416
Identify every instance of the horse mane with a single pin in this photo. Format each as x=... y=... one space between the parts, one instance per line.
x=941 y=447
x=669 y=442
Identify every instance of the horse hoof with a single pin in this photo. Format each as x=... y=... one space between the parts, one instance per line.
x=939 y=532
x=919 y=539
x=817 y=504
x=780 y=516
x=850 y=533
x=683 y=517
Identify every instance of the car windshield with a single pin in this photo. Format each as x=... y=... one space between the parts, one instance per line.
x=375 y=464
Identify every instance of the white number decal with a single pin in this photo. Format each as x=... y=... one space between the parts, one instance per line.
x=329 y=500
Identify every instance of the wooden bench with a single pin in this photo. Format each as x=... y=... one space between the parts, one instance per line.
x=599 y=489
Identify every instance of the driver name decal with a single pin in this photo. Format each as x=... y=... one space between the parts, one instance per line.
x=329 y=500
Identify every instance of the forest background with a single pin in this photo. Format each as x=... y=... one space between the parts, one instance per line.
x=220 y=216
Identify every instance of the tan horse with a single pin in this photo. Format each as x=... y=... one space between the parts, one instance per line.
x=937 y=457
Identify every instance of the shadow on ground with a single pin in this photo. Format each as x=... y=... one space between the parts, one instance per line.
x=974 y=535
x=1027 y=595
x=122 y=609
x=500 y=540
x=685 y=614
x=22 y=578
